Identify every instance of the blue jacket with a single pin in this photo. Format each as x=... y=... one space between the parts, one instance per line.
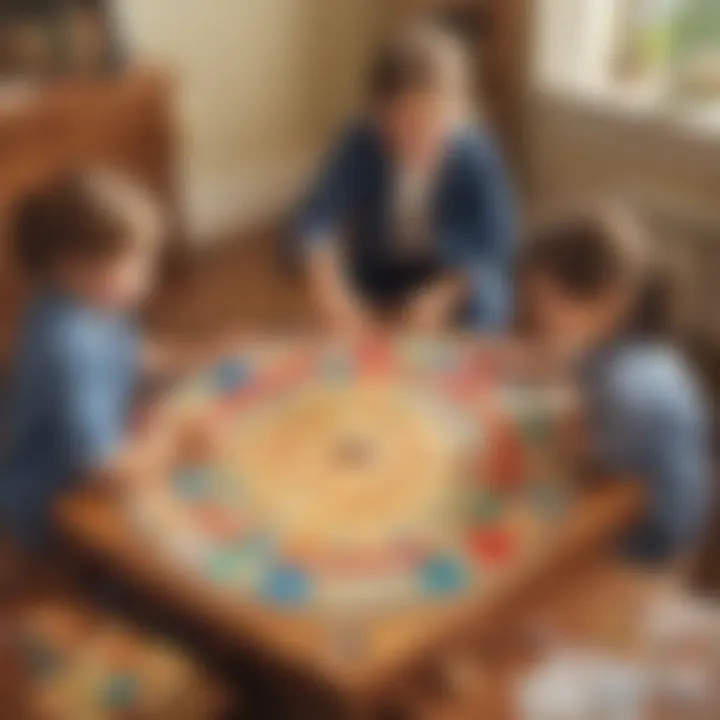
x=66 y=408
x=647 y=417
x=473 y=214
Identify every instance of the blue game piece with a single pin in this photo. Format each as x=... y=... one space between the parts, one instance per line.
x=443 y=575
x=120 y=692
x=286 y=585
x=229 y=376
x=190 y=484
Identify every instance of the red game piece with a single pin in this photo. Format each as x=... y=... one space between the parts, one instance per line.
x=465 y=386
x=493 y=546
x=374 y=356
x=217 y=523
x=289 y=374
x=200 y=438
x=504 y=465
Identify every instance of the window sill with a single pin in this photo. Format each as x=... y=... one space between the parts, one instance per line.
x=645 y=107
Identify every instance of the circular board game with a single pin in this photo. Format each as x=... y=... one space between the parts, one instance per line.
x=383 y=472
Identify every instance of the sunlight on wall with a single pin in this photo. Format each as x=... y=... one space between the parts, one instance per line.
x=261 y=85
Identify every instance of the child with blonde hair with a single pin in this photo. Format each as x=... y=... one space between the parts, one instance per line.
x=413 y=211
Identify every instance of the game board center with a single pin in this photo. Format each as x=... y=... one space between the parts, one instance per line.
x=355 y=452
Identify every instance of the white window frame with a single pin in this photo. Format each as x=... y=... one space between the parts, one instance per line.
x=574 y=42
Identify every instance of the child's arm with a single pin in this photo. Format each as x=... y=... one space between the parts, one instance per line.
x=339 y=307
x=93 y=398
x=656 y=424
x=478 y=236
x=430 y=309
x=318 y=229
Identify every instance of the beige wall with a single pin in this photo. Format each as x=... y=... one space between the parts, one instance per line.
x=670 y=172
x=262 y=83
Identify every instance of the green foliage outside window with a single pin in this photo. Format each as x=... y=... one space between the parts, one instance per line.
x=673 y=40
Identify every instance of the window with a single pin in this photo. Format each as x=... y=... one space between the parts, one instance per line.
x=646 y=56
x=671 y=45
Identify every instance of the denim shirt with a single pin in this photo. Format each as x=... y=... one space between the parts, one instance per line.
x=647 y=417
x=472 y=215
x=65 y=407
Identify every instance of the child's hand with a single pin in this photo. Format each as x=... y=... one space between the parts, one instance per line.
x=426 y=314
x=428 y=311
x=350 y=321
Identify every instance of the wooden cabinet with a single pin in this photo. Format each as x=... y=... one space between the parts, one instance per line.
x=123 y=122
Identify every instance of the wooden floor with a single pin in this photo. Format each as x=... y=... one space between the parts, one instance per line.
x=241 y=284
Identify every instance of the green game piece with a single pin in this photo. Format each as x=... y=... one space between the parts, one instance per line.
x=485 y=506
x=224 y=566
x=535 y=427
x=239 y=565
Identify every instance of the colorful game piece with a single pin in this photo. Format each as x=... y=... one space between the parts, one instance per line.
x=286 y=585
x=240 y=564
x=374 y=357
x=504 y=457
x=190 y=483
x=229 y=376
x=443 y=575
x=485 y=506
x=217 y=522
x=491 y=546
x=535 y=425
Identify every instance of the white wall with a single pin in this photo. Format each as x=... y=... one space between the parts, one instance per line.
x=573 y=43
x=261 y=84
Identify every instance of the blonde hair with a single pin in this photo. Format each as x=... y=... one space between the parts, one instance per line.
x=422 y=56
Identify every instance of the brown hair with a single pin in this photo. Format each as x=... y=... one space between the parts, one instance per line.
x=420 y=58
x=592 y=253
x=81 y=217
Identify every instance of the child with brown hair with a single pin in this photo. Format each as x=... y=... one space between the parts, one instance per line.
x=413 y=212
x=90 y=244
x=606 y=309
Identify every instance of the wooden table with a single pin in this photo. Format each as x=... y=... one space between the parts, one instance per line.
x=192 y=695
x=304 y=649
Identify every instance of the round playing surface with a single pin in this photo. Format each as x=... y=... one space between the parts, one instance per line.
x=384 y=472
